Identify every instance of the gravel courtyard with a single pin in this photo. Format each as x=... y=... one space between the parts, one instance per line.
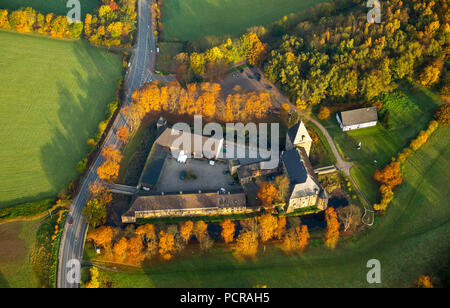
x=209 y=177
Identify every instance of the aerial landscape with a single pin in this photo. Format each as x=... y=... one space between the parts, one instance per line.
x=210 y=144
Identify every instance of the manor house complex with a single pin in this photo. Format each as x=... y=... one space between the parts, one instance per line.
x=171 y=185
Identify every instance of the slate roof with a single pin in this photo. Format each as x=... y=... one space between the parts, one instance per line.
x=358 y=116
x=296 y=132
x=188 y=201
x=295 y=167
x=154 y=166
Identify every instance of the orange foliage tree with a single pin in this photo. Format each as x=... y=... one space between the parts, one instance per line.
x=281 y=227
x=391 y=175
x=268 y=194
x=332 y=232
x=247 y=244
x=186 y=230
x=122 y=134
x=166 y=245
x=267 y=227
x=228 y=230
x=103 y=237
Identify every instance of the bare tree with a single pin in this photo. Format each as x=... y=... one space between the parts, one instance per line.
x=350 y=217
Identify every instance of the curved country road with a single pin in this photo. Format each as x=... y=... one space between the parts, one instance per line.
x=142 y=68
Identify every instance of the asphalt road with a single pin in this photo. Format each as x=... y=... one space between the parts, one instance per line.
x=141 y=71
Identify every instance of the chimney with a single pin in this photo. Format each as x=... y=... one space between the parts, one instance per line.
x=199 y=191
x=162 y=193
x=181 y=192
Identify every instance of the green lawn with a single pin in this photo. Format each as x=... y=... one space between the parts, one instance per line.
x=49 y=6
x=16 y=243
x=412 y=239
x=193 y=19
x=166 y=54
x=53 y=94
x=410 y=111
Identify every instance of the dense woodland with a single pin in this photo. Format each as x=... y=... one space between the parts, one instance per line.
x=112 y=24
x=345 y=57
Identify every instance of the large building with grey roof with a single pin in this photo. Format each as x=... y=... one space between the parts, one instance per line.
x=357 y=118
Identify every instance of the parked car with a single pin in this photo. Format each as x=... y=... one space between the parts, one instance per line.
x=146 y=188
x=70 y=220
x=182 y=175
x=226 y=171
x=232 y=183
x=268 y=87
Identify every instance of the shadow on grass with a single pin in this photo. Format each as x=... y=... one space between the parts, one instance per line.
x=3 y=282
x=78 y=115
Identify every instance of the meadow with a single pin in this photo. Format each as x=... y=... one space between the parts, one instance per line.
x=193 y=19
x=410 y=109
x=53 y=94
x=16 y=243
x=410 y=240
x=49 y=6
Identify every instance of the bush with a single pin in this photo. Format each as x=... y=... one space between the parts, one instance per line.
x=442 y=114
x=27 y=209
x=324 y=113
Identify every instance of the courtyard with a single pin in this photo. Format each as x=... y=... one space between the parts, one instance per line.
x=199 y=175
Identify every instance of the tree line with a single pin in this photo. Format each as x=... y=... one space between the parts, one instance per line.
x=28 y=20
x=197 y=99
x=391 y=175
x=164 y=242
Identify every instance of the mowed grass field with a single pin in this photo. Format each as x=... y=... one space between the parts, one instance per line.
x=412 y=239
x=16 y=243
x=193 y=19
x=410 y=108
x=58 y=7
x=53 y=94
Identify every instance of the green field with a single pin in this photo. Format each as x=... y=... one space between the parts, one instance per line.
x=16 y=243
x=410 y=108
x=53 y=94
x=412 y=239
x=49 y=6
x=193 y=19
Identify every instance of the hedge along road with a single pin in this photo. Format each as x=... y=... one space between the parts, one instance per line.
x=142 y=68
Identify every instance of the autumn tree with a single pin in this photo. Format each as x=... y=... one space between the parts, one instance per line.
x=431 y=74
x=103 y=237
x=267 y=194
x=442 y=114
x=99 y=191
x=253 y=49
x=166 y=245
x=228 y=230
x=120 y=250
x=281 y=227
x=303 y=238
x=247 y=244
x=424 y=282
x=332 y=232
x=267 y=227
x=391 y=175
x=387 y=195
x=136 y=251
x=94 y=212
x=148 y=236
x=97 y=280
x=186 y=230
x=122 y=134
x=324 y=113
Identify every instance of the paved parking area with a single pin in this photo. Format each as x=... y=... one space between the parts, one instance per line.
x=208 y=177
